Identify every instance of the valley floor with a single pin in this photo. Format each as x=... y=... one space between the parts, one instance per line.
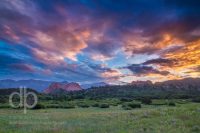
x=184 y=118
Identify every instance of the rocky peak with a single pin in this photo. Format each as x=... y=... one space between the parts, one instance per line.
x=63 y=86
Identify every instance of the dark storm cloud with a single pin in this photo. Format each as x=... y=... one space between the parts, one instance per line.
x=97 y=67
x=106 y=48
x=160 y=61
x=139 y=70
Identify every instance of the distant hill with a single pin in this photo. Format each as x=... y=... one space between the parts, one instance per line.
x=184 y=88
x=98 y=84
x=181 y=84
x=38 y=85
x=186 y=83
x=6 y=92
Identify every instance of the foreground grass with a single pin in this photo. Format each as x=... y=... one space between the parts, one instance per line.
x=184 y=118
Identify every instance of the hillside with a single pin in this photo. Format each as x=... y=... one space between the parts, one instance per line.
x=184 y=88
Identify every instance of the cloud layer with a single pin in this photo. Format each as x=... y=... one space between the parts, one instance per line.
x=91 y=41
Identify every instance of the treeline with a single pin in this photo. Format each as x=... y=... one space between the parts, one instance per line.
x=4 y=93
x=129 y=91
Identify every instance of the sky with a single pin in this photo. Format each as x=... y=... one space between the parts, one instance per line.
x=87 y=41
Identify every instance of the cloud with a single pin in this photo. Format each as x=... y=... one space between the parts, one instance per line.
x=185 y=57
x=197 y=68
x=160 y=61
x=102 y=51
x=111 y=73
x=142 y=70
x=55 y=37
x=20 y=27
x=108 y=74
x=23 y=67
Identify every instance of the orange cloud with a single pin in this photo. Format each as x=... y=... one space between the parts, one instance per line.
x=187 y=56
x=181 y=56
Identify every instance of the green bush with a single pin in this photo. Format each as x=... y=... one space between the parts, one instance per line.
x=128 y=106
x=69 y=106
x=104 y=105
x=65 y=106
x=83 y=105
x=39 y=106
x=4 y=106
x=124 y=99
x=146 y=101
x=95 y=105
x=134 y=105
x=172 y=104
x=114 y=104
x=195 y=129
x=3 y=99
x=53 y=106
x=196 y=100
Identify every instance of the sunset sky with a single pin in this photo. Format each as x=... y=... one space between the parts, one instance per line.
x=87 y=41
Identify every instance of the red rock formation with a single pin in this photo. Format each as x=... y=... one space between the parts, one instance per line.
x=141 y=83
x=63 y=86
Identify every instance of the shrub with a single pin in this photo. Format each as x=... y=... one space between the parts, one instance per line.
x=114 y=104
x=83 y=105
x=4 y=106
x=104 y=105
x=124 y=99
x=95 y=105
x=39 y=106
x=3 y=99
x=129 y=106
x=69 y=106
x=196 y=100
x=54 y=106
x=172 y=104
x=195 y=129
x=146 y=101
x=134 y=105
x=126 y=107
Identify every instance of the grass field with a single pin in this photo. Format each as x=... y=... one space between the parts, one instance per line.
x=183 y=118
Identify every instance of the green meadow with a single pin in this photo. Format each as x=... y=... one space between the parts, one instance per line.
x=182 y=118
